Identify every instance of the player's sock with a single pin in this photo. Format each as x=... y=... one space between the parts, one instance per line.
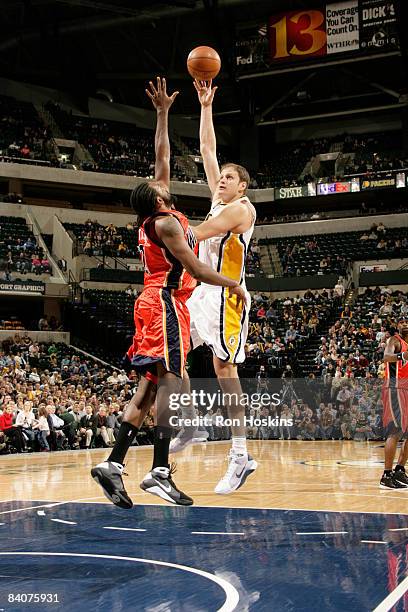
x=162 y=437
x=124 y=439
x=239 y=446
x=387 y=473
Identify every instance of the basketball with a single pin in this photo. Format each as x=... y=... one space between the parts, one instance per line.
x=203 y=63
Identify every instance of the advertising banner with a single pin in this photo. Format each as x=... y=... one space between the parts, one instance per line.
x=342 y=27
x=400 y=180
x=353 y=26
x=330 y=188
x=378 y=25
x=22 y=286
x=284 y=193
x=378 y=183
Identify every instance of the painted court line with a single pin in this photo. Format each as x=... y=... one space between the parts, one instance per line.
x=231 y=594
x=125 y=529
x=241 y=533
x=320 y=532
x=389 y=602
x=399 y=529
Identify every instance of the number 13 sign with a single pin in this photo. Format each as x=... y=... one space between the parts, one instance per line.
x=297 y=34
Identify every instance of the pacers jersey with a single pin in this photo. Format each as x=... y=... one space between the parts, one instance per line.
x=161 y=268
x=227 y=253
x=396 y=373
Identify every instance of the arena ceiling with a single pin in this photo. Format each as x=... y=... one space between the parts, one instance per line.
x=85 y=46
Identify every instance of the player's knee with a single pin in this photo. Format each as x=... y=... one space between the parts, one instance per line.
x=224 y=369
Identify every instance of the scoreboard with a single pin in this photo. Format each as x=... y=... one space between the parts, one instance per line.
x=349 y=27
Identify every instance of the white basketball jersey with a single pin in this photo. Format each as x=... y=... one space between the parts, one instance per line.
x=227 y=253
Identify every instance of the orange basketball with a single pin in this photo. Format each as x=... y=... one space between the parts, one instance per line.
x=203 y=63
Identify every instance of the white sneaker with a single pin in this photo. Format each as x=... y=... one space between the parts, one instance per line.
x=239 y=468
x=186 y=437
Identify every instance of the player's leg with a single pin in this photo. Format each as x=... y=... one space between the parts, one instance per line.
x=387 y=480
x=108 y=474
x=393 y=432
x=241 y=465
x=399 y=471
x=188 y=434
x=159 y=480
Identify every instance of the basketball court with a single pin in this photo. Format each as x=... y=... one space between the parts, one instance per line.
x=310 y=530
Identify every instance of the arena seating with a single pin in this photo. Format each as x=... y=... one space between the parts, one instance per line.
x=106 y=321
x=283 y=163
x=23 y=134
x=65 y=381
x=356 y=341
x=19 y=251
x=96 y=239
x=332 y=253
x=375 y=152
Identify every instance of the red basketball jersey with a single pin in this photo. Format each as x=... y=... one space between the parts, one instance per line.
x=161 y=268
x=397 y=372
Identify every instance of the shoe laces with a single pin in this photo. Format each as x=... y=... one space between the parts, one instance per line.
x=172 y=469
x=232 y=461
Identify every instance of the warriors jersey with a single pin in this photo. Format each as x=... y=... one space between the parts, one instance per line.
x=396 y=373
x=162 y=319
x=395 y=395
x=161 y=268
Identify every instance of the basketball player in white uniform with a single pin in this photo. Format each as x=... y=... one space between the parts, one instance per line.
x=215 y=320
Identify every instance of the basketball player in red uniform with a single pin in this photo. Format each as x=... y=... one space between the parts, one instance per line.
x=162 y=320
x=395 y=401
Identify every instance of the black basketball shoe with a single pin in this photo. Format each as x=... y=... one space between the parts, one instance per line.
x=109 y=476
x=159 y=482
x=401 y=476
x=388 y=481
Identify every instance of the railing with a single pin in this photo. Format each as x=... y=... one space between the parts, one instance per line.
x=24 y=160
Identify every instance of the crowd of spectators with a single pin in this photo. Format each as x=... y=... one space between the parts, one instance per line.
x=253 y=261
x=279 y=327
x=371 y=153
x=340 y=398
x=23 y=134
x=54 y=398
x=379 y=152
x=333 y=253
x=19 y=250
x=95 y=239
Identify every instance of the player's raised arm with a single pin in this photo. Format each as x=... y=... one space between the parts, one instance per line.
x=162 y=103
x=208 y=142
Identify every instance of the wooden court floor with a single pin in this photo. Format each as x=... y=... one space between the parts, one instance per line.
x=340 y=476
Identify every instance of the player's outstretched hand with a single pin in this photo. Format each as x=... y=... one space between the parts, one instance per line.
x=158 y=95
x=205 y=92
x=240 y=293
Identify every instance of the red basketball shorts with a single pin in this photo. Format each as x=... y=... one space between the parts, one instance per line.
x=162 y=332
x=395 y=416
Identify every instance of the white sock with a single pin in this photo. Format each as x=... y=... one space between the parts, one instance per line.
x=239 y=445
x=117 y=465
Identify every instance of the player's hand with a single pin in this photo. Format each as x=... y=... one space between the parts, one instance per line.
x=158 y=95
x=205 y=92
x=240 y=293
